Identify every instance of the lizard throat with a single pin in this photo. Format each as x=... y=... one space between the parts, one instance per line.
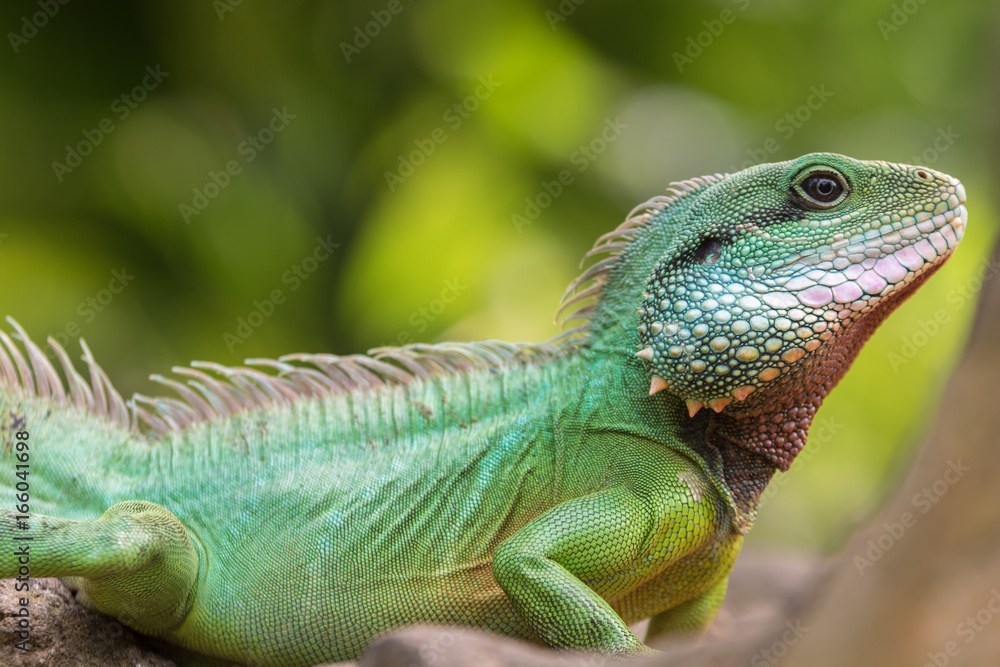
x=776 y=423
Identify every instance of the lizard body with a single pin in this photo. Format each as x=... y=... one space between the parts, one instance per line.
x=287 y=512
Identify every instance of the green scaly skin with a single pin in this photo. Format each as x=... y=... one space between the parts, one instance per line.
x=553 y=492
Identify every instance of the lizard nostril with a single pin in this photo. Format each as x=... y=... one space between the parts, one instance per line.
x=923 y=175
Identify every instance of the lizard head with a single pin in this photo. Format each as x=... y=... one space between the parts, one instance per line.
x=775 y=276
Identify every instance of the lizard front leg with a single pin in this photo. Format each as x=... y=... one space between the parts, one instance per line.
x=543 y=568
x=136 y=563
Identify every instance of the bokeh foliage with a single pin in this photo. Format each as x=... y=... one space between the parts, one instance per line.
x=436 y=254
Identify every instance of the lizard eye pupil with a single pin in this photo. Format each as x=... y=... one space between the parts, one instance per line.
x=824 y=186
x=821 y=190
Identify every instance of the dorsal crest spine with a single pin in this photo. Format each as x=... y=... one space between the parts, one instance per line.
x=581 y=297
x=214 y=391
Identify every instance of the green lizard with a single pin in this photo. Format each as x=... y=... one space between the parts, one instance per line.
x=287 y=512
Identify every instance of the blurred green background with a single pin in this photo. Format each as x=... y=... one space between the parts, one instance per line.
x=204 y=147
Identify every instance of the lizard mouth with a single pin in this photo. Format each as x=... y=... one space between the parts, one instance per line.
x=854 y=274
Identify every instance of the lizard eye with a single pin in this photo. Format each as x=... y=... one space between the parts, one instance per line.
x=708 y=252
x=820 y=189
